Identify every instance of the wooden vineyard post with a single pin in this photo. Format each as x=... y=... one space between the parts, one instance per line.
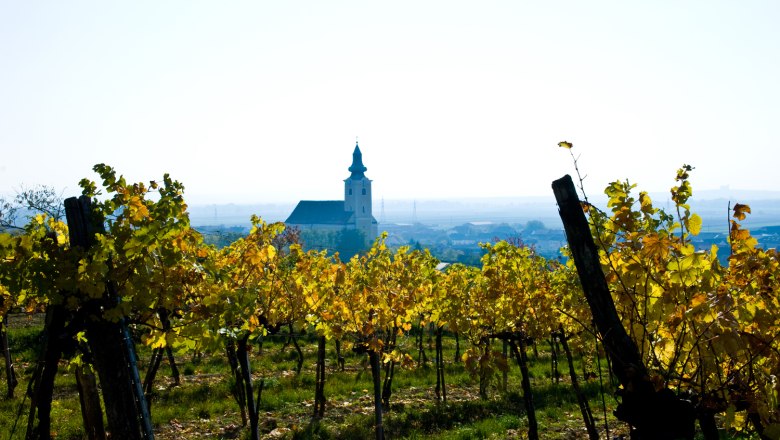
x=10 y=374
x=582 y=401
x=655 y=415
x=91 y=412
x=319 y=391
x=109 y=341
x=376 y=372
x=45 y=372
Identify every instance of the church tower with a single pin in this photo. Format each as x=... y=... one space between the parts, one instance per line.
x=357 y=197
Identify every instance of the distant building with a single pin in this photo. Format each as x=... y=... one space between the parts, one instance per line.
x=329 y=217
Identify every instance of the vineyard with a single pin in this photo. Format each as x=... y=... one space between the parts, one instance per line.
x=692 y=346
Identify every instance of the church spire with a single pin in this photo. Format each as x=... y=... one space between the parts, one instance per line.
x=357 y=168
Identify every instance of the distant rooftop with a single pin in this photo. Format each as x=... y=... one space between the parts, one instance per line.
x=328 y=212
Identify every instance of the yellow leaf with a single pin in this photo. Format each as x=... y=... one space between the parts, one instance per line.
x=566 y=145
x=740 y=234
x=158 y=342
x=740 y=210
x=271 y=252
x=645 y=203
x=698 y=300
x=694 y=224
x=137 y=209
x=656 y=246
x=713 y=252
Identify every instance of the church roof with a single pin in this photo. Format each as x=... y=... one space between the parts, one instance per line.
x=357 y=168
x=328 y=212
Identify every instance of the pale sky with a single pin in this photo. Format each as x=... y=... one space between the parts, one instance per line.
x=261 y=101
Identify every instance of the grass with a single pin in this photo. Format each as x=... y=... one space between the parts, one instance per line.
x=203 y=405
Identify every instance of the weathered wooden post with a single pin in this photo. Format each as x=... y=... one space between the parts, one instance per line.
x=655 y=415
x=319 y=389
x=10 y=374
x=109 y=341
x=89 y=399
x=42 y=386
x=374 y=360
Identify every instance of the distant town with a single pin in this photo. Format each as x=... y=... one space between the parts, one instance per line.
x=452 y=230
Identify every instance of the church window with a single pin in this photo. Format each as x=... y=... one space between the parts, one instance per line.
x=364 y=191
x=364 y=210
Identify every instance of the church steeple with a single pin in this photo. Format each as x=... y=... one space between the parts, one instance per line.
x=357 y=168
x=357 y=198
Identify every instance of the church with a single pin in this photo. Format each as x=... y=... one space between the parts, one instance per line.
x=348 y=225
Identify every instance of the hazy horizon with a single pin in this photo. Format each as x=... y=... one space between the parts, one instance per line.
x=518 y=210
x=698 y=194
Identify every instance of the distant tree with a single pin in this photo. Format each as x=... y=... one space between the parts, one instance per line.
x=350 y=242
x=534 y=225
x=503 y=230
x=415 y=245
x=447 y=254
x=220 y=238
x=318 y=239
x=28 y=202
x=471 y=258
x=465 y=229
x=514 y=240
x=7 y=214
x=291 y=235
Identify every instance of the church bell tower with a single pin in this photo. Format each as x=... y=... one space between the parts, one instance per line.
x=357 y=197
